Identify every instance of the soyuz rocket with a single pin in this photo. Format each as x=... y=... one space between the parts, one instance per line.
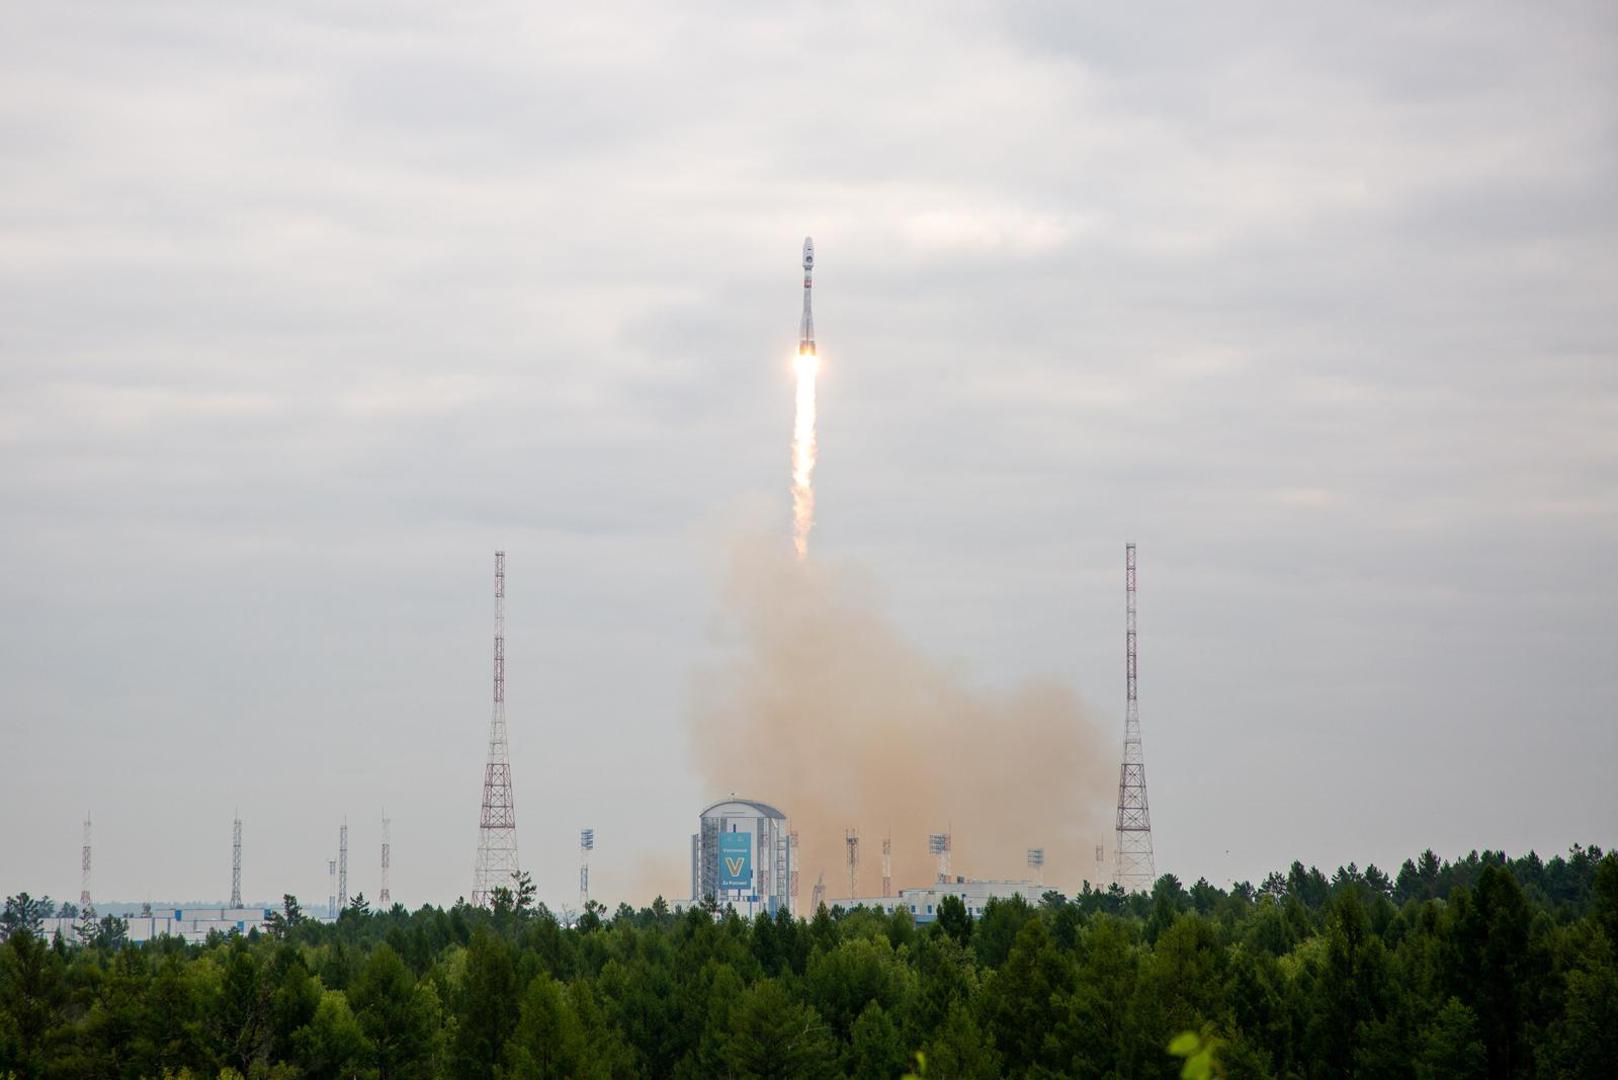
x=806 y=329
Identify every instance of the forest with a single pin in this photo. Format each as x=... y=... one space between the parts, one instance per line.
x=1486 y=966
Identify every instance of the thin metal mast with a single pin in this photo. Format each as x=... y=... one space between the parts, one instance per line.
x=851 y=838
x=84 y=869
x=236 y=864
x=887 y=866
x=1135 y=869
x=331 y=896
x=342 y=868
x=938 y=845
x=587 y=844
x=384 y=899
x=792 y=879
x=497 y=864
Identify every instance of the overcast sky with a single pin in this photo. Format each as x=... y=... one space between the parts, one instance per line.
x=307 y=308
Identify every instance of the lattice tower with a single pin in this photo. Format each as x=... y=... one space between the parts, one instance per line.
x=236 y=863
x=1135 y=868
x=84 y=869
x=384 y=898
x=938 y=845
x=792 y=880
x=587 y=844
x=497 y=864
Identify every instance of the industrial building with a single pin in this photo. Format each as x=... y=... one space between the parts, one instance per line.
x=192 y=924
x=922 y=903
x=741 y=855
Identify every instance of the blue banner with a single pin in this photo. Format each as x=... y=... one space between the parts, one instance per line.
x=735 y=860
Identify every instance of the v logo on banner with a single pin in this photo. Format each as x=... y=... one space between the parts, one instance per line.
x=735 y=866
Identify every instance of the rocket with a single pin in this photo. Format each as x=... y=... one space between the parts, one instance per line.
x=806 y=329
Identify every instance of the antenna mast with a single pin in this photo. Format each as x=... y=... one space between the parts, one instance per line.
x=1136 y=870
x=938 y=845
x=236 y=864
x=342 y=868
x=84 y=868
x=384 y=899
x=887 y=866
x=792 y=881
x=497 y=865
x=587 y=844
x=851 y=838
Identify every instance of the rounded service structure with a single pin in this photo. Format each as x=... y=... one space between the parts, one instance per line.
x=741 y=855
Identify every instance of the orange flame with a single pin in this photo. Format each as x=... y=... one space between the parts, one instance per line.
x=803 y=454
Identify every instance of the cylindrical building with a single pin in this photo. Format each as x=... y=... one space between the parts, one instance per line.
x=741 y=856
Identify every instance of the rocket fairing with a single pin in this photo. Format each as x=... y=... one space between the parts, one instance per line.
x=806 y=329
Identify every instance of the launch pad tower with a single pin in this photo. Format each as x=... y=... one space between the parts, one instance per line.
x=1135 y=869
x=497 y=864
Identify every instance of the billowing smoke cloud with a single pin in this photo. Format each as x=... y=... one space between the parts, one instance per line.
x=826 y=711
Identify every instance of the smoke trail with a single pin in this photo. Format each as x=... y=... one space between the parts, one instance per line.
x=803 y=454
x=824 y=710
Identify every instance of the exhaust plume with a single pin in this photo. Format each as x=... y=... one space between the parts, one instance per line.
x=803 y=454
x=826 y=711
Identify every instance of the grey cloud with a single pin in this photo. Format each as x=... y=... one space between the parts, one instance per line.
x=305 y=310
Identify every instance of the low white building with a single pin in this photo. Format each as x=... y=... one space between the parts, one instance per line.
x=192 y=924
x=922 y=903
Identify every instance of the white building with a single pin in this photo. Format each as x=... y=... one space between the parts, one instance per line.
x=192 y=924
x=742 y=857
x=923 y=903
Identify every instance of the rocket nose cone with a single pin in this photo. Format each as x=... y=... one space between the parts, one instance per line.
x=808 y=252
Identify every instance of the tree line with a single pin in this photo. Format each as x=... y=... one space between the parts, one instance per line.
x=1482 y=967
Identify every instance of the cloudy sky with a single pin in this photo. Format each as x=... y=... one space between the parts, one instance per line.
x=307 y=308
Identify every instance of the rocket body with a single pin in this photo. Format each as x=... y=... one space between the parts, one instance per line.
x=806 y=328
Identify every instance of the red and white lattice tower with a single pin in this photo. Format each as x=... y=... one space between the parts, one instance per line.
x=497 y=865
x=1135 y=869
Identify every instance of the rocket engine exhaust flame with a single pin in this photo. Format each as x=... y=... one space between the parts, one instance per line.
x=803 y=424
x=803 y=454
